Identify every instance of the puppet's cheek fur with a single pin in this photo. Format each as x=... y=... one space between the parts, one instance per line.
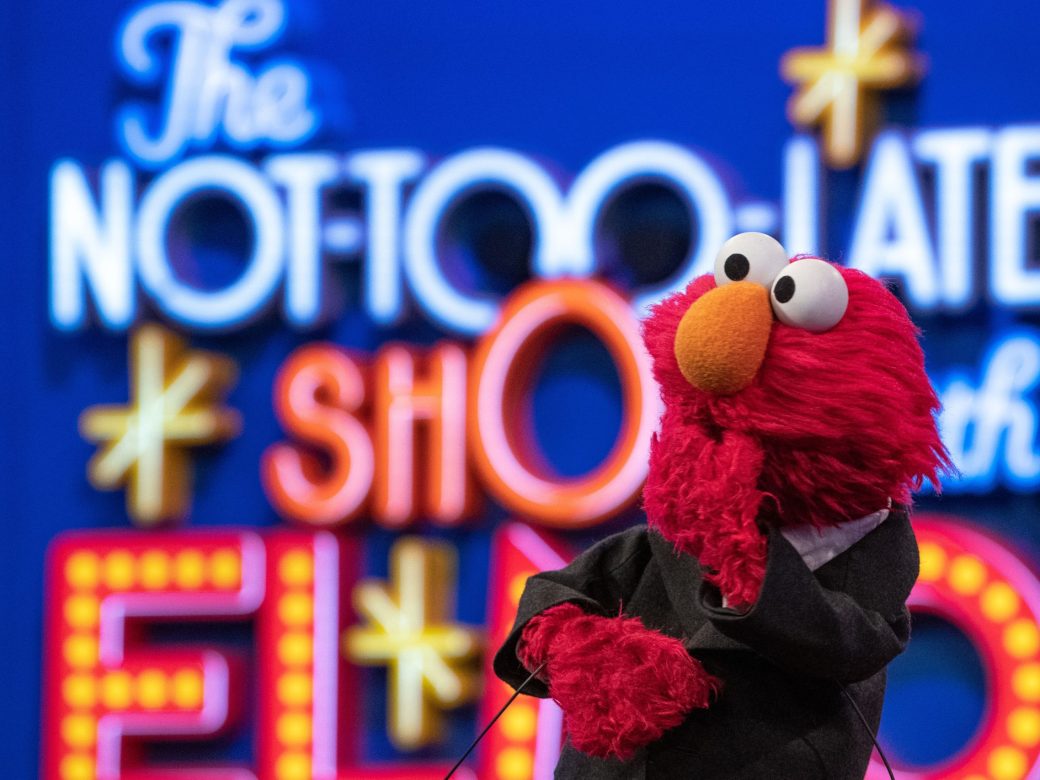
x=620 y=684
x=702 y=495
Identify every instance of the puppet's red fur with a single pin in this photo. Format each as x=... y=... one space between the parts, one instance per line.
x=620 y=685
x=833 y=426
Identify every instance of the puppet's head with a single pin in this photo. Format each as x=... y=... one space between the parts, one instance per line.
x=794 y=390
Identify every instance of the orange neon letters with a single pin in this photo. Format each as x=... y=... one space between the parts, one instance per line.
x=500 y=379
x=317 y=393
x=400 y=402
x=410 y=460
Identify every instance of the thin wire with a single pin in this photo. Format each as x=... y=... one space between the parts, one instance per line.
x=533 y=674
x=492 y=723
x=870 y=731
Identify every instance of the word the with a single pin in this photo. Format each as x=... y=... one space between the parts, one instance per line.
x=208 y=93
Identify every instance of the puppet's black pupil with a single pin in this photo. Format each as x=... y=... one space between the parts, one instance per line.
x=783 y=290
x=736 y=267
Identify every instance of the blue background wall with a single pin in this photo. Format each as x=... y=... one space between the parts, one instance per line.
x=562 y=82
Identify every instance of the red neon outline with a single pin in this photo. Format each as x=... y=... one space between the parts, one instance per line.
x=110 y=758
x=517 y=551
x=938 y=597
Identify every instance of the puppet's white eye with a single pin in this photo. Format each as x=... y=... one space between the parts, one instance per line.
x=749 y=257
x=810 y=294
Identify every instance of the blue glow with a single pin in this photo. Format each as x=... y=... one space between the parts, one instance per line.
x=207 y=92
x=755 y=216
x=303 y=176
x=343 y=235
x=890 y=238
x=91 y=235
x=383 y=174
x=563 y=227
x=693 y=179
x=938 y=680
x=445 y=184
x=244 y=298
x=90 y=246
x=802 y=205
x=1015 y=202
x=955 y=153
x=989 y=423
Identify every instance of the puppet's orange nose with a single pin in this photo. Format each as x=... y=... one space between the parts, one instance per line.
x=722 y=339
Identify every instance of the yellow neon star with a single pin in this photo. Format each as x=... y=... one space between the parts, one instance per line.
x=868 y=49
x=409 y=630
x=176 y=404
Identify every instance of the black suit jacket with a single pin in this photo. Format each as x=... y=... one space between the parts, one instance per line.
x=781 y=713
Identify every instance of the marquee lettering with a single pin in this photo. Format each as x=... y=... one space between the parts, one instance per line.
x=105 y=688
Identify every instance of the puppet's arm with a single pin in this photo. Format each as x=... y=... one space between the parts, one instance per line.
x=620 y=685
x=810 y=630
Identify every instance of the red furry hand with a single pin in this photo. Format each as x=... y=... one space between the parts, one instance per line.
x=620 y=685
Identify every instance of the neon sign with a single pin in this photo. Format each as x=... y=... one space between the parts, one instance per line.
x=110 y=239
x=104 y=245
x=176 y=405
x=99 y=686
x=525 y=743
x=410 y=629
x=105 y=688
x=107 y=244
x=373 y=467
x=991 y=426
x=990 y=423
x=409 y=435
x=867 y=51
x=208 y=92
x=988 y=593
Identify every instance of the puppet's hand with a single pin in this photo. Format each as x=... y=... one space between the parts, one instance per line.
x=620 y=685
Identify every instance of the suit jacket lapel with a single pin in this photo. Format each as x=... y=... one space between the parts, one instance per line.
x=683 y=578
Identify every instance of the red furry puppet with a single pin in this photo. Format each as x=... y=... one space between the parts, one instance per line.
x=716 y=641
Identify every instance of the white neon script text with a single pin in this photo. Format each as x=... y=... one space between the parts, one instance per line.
x=209 y=93
x=990 y=425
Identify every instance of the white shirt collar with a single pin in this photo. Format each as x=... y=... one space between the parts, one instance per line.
x=817 y=546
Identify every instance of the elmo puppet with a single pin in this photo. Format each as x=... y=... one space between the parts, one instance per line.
x=725 y=637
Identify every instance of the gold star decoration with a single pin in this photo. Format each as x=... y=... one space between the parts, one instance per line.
x=409 y=629
x=176 y=397
x=868 y=50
